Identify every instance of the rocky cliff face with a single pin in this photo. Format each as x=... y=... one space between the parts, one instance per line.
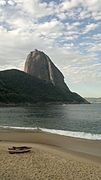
x=38 y=64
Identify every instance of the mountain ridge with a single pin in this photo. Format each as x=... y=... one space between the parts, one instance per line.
x=19 y=87
x=40 y=65
x=42 y=81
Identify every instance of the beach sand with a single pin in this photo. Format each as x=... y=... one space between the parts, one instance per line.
x=53 y=157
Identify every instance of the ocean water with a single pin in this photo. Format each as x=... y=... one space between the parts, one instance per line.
x=83 y=120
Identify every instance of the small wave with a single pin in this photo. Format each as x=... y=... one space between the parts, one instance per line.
x=16 y=127
x=82 y=135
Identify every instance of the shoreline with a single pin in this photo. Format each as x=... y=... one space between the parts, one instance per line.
x=85 y=147
x=29 y=104
x=73 y=134
x=52 y=157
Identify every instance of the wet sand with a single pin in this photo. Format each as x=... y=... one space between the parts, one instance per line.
x=53 y=157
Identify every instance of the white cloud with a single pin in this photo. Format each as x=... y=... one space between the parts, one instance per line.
x=64 y=35
x=62 y=16
x=90 y=27
x=2 y=2
x=11 y=2
x=35 y=8
x=72 y=37
x=93 y=5
x=95 y=47
x=97 y=37
x=65 y=5
x=85 y=14
x=85 y=74
x=90 y=8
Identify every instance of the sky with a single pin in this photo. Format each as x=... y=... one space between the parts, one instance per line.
x=68 y=31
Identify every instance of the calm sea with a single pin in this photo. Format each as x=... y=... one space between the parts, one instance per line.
x=82 y=121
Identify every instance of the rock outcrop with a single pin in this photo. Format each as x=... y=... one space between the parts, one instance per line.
x=41 y=82
x=38 y=64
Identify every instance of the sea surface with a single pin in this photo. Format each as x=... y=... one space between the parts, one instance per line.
x=83 y=120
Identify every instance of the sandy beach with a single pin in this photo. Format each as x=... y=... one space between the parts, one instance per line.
x=53 y=157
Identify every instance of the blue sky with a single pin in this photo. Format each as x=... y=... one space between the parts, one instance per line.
x=68 y=31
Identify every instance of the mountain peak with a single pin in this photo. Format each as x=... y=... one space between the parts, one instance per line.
x=38 y=64
x=42 y=82
x=35 y=52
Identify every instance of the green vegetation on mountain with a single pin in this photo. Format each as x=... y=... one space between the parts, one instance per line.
x=19 y=87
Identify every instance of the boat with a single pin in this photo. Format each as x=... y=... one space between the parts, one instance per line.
x=19 y=149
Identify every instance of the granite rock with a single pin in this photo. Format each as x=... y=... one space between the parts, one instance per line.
x=38 y=64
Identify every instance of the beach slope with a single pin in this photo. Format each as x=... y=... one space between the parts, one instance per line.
x=52 y=157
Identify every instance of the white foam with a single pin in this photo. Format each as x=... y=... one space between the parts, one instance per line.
x=75 y=134
x=16 y=127
x=82 y=135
